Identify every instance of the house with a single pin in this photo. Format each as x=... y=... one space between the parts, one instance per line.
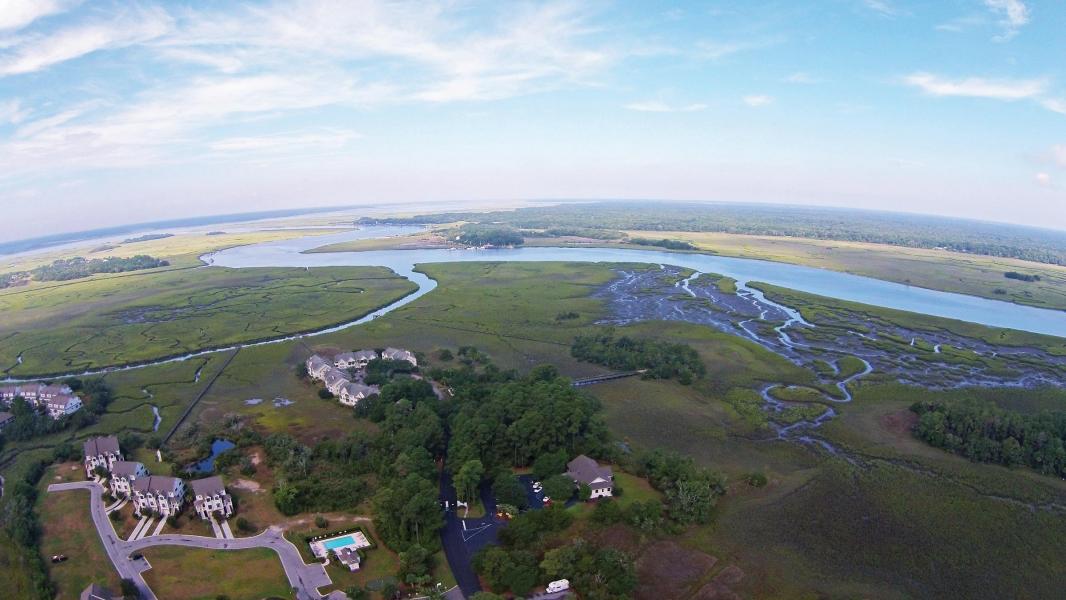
x=159 y=494
x=585 y=471
x=100 y=452
x=317 y=366
x=349 y=557
x=352 y=393
x=209 y=496
x=60 y=406
x=399 y=354
x=5 y=419
x=358 y=359
x=123 y=474
x=334 y=380
x=95 y=592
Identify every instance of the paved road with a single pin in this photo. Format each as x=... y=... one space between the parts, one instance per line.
x=306 y=579
x=461 y=538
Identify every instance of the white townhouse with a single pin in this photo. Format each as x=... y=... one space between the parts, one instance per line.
x=100 y=452
x=157 y=493
x=317 y=366
x=123 y=474
x=357 y=359
x=400 y=354
x=335 y=380
x=60 y=406
x=352 y=393
x=209 y=496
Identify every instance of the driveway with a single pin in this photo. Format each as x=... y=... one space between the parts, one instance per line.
x=462 y=538
x=304 y=578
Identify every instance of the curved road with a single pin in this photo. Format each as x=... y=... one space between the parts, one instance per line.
x=304 y=578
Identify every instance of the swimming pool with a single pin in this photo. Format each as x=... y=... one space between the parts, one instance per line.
x=340 y=542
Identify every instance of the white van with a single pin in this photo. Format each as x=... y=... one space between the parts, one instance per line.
x=558 y=586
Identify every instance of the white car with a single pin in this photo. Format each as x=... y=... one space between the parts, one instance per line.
x=537 y=487
x=558 y=586
x=547 y=499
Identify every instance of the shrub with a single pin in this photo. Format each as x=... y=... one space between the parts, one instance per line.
x=321 y=522
x=243 y=524
x=756 y=479
x=445 y=354
x=325 y=394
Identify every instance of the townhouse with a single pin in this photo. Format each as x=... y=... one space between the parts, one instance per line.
x=158 y=494
x=209 y=496
x=100 y=452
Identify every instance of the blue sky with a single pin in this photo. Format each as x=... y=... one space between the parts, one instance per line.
x=115 y=112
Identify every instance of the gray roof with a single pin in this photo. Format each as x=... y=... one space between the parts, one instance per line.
x=355 y=388
x=208 y=486
x=96 y=446
x=154 y=484
x=585 y=470
x=356 y=355
x=125 y=468
x=318 y=361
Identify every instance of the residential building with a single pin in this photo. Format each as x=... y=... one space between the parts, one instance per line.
x=159 y=494
x=209 y=496
x=5 y=419
x=352 y=393
x=399 y=354
x=334 y=380
x=100 y=452
x=123 y=474
x=317 y=366
x=56 y=400
x=358 y=359
x=585 y=471
x=60 y=406
x=349 y=557
x=96 y=592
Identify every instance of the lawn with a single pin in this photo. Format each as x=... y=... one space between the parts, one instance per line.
x=180 y=573
x=68 y=529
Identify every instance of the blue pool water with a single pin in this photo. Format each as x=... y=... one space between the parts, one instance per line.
x=339 y=542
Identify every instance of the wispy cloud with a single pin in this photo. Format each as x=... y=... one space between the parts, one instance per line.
x=884 y=8
x=37 y=52
x=330 y=139
x=1043 y=179
x=978 y=87
x=12 y=112
x=757 y=100
x=1014 y=14
x=662 y=107
x=802 y=78
x=16 y=14
x=1058 y=154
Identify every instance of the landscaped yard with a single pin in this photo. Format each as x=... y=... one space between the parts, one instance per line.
x=179 y=573
x=67 y=528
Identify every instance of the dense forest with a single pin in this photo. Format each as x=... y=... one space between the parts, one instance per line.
x=663 y=243
x=481 y=235
x=660 y=360
x=914 y=231
x=147 y=238
x=983 y=432
x=66 y=269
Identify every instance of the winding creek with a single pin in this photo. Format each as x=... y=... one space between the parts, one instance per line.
x=668 y=293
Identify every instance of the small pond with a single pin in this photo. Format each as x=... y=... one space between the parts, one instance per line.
x=208 y=464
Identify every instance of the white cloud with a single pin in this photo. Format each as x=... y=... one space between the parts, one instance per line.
x=1058 y=154
x=1043 y=179
x=802 y=78
x=1014 y=15
x=757 y=100
x=12 y=112
x=317 y=140
x=978 y=87
x=1054 y=105
x=37 y=52
x=662 y=107
x=882 y=7
x=16 y=14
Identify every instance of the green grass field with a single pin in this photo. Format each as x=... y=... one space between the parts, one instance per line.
x=117 y=321
x=192 y=573
x=68 y=529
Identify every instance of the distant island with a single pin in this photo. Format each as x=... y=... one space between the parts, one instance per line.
x=78 y=267
x=147 y=237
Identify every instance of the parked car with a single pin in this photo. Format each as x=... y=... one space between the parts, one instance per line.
x=58 y=558
x=558 y=586
x=547 y=500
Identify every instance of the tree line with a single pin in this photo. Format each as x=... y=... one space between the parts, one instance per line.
x=661 y=360
x=984 y=432
x=65 y=269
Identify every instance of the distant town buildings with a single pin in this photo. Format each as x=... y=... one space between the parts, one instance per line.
x=209 y=496
x=56 y=400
